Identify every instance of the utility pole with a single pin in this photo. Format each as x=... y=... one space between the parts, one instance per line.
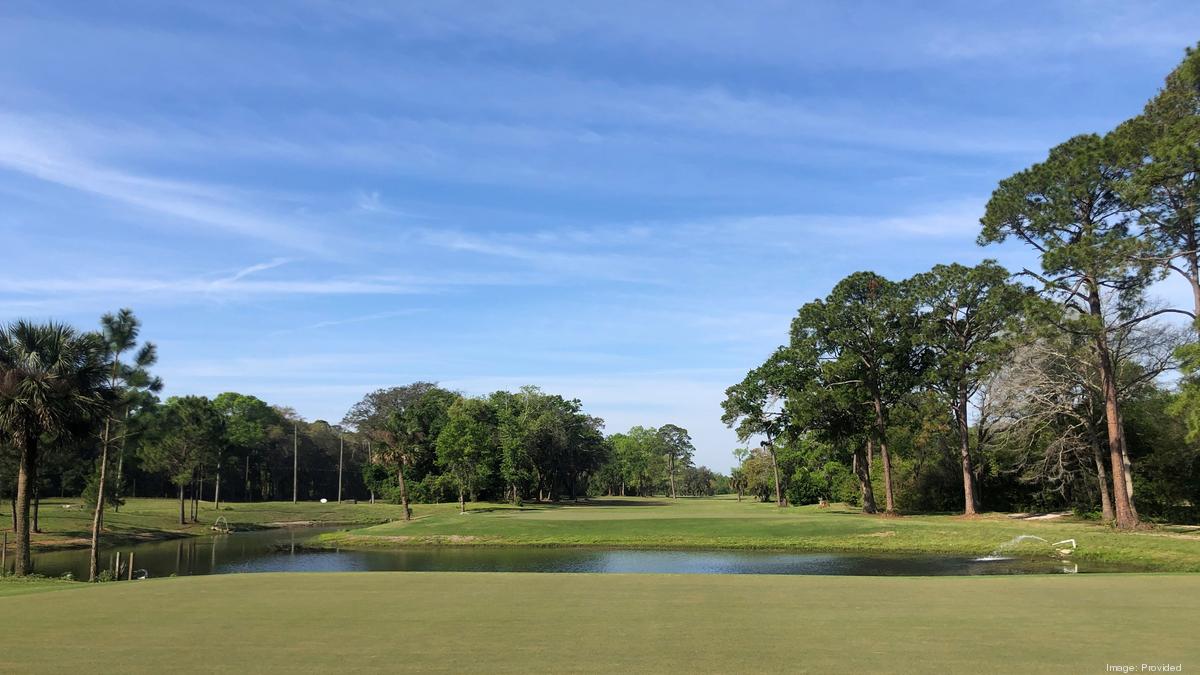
x=295 y=460
x=341 y=453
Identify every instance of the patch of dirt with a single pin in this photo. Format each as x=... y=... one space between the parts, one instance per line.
x=1039 y=516
x=885 y=533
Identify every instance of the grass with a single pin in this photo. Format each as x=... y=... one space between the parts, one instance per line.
x=67 y=523
x=11 y=585
x=728 y=524
x=463 y=622
x=721 y=523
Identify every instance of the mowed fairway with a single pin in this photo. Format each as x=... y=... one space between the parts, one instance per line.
x=461 y=622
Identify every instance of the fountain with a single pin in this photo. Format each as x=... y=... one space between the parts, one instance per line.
x=1002 y=551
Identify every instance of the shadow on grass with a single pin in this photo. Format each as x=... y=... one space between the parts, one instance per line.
x=546 y=506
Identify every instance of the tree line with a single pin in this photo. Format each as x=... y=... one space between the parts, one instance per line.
x=1029 y=390
x=81 y=415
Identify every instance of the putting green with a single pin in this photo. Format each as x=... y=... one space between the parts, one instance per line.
x=456 y=622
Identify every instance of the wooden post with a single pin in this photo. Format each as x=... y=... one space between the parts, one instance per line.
x=117 y=567
x=131 y=566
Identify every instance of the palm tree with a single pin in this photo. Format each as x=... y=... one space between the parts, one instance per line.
x=119 y=333
x=51 y=378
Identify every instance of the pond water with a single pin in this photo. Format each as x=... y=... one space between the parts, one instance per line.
x=283 y=551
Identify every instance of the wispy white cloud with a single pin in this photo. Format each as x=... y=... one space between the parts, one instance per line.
x=252 y=269
x=229 y=286
x=37 y=151
x=573 y=261
x=350 y=320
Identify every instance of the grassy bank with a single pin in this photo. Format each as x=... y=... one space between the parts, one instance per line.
x=722 y=523
x=67 y=523
x=11 y=585
x=729 y=524
x=448 y=622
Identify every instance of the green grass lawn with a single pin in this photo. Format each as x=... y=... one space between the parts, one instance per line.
x=462 y=622
x=67 y=523
x=728 y=524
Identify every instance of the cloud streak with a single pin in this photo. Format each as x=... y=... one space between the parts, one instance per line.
x=33 y=151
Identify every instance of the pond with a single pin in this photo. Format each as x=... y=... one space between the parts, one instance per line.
x=283 y=550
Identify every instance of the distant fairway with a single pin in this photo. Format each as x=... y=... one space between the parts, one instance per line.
x=461 y=622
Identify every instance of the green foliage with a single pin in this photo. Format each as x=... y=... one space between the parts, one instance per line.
x=468 y=446
x=248 y=421
x=92 y=489
x=52 y=382
x=969 y=317
x=1162 y=150
x=805 y=487
x=186 y=432
x=1068 y=208
x=640 y=459
x=379 y=480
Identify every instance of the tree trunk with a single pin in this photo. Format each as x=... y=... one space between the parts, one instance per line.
x=1193 y=275
x=671 y=462
x=195 y=498
x=1126 y=516
x=1128 y=470
x=462 y=501
x=862 y=470
x=217 y=490
x=881 y=436
x=296 y=464
x=182 y=519
x=1106 y=508
x=970 y=502
x=26 y=470
x=403 y=492
x=120 y=465
x=98 y=514
x=775 y=468
x=37 y=506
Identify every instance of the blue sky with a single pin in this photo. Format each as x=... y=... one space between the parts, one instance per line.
x=622 y=201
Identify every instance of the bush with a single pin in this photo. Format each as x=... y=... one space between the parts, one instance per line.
x=804 y=488
x=843 y=484
x=833 y=481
